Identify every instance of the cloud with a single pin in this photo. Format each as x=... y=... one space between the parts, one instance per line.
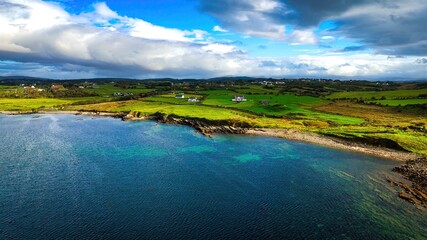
x=352 y=49
x=328 y=38
x=248 y=17
x=421 y=60
x=42 y=32
x=219 y=29
x=394 y=57
x=392 y=27
x=270 y=18
x=104 y=17
x=268 y=63
x=42 y=39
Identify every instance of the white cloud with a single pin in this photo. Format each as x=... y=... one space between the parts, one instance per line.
x=327 y=38
x=143 y=29
x=103 y=10
x=219 y=48
x=103 y=16
x=299 y=37
x=265 y=5
x=219 y=29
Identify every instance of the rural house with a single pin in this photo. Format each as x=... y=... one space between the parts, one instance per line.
x=193 y=99
x=239 y=99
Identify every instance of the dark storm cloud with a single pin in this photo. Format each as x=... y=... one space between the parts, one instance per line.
x=311 y=12
x=303 y=13
x=391 y=27
x=397 y=29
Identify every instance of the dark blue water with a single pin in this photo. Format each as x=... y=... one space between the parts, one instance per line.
x=73 y=177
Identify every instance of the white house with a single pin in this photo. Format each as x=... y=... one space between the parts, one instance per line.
x=239 y=99
x=193 y=99
x=180 y=95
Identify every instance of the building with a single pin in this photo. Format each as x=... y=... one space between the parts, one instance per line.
x=193 y=99
x=181 y=95
x=239 y=99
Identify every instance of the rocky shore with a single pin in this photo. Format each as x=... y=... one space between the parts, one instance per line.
x=416 y=172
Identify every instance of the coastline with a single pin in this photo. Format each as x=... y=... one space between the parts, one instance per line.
x=291 y=134
x=413 y=166
x=332 y=142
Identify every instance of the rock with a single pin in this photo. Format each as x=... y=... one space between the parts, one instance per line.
x=409 y=198
x=416 y=172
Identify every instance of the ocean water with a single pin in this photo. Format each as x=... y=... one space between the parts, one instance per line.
x=76 y=177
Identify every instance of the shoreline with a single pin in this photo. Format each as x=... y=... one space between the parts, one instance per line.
x=336 y=143
x=413 y=164
x=290 y=134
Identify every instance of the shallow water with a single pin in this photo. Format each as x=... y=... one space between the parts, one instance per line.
x=74 y=177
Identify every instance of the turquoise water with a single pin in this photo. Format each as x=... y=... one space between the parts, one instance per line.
x=74 y=177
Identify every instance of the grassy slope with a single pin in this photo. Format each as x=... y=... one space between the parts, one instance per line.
x=380 y=122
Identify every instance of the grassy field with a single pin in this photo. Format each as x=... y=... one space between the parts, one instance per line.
x=256 y=90
x=193 y=111
x=106 y=90
x=4 y=88
x=31 y=104
x=170 y=98
x=401 y=102
x=282 y=105
x=218 y=92
x=387 y=94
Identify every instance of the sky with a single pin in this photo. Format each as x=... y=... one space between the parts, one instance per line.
x=339 y=39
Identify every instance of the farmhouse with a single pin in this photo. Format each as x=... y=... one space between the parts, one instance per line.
x=239 y=99
x=193 y=99
x=181 y=95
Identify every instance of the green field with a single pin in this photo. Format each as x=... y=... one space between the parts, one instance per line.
x=401 y=102
x=105 y=90
x=218 y=92
x=193 y=111
x=30 y=104
x=3 y=88
x=387 y=94
x=170 y=98
x=256 y=90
